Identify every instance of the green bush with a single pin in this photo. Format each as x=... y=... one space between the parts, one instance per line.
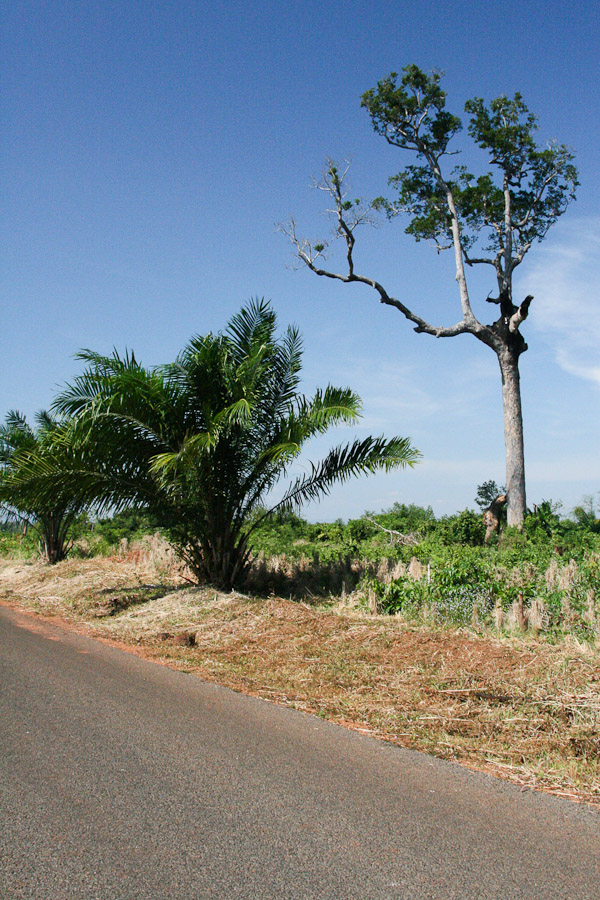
x=407 y=519
x=465 y=527
x=16 y=544
x=129 y=525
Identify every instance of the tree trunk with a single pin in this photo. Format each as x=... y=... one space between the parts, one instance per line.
x=220 y=560
x=53 y=534
x=51 y=541
x=513 y=437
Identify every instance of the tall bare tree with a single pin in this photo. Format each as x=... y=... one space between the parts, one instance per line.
x=492 y=219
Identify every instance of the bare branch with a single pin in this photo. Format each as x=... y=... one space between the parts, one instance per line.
x=348 y=216
x=306 y=251
x=474 y=260
x=518 y=257
x=411 y=539
x=308 y=255
x=520 y=315
x=465 y=303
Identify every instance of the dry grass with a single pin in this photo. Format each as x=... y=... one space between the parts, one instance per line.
x=311 y=577
x=518 y=708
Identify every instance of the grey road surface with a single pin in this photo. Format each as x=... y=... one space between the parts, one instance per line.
x=121 y=779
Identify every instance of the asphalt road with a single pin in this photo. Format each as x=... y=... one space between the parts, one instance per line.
x=122 y=779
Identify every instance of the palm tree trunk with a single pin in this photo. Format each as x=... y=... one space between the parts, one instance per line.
x=220 y=560
x=54 y=533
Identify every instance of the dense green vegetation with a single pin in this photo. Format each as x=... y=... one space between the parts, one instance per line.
x=369 y=536
x=544 y=578
x=51 y=516
x=406 y=560
x=198 y=443
x=90 y=536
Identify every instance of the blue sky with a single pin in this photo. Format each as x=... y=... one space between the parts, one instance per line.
x=150 y=147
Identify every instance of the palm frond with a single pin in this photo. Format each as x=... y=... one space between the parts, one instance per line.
x=16 y=420
x=342 y=463
x=200 y=442
x=45 y=421
x=255 y=322
x=237 y=413
x=176 y=461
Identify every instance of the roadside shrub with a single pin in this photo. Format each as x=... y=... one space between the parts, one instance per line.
x=449 y=588
x=544 y=520
x=464 y=585
x=587 y=515
x=405 y=594
x=464 y=528
x=16 y=544
x=407 y=518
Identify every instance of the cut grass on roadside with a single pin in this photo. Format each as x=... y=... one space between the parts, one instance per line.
x=517 y=708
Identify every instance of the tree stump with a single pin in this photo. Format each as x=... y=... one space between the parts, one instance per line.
x=492 y=515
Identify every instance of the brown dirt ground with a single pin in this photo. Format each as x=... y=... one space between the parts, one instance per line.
x=518 y=708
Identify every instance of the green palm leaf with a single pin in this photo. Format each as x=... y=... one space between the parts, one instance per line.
x=362 y=457
x=29 y=491
x=202 y=441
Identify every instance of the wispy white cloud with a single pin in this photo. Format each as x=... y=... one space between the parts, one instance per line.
x=566 y=284
x=416 y=393
x=566 y=360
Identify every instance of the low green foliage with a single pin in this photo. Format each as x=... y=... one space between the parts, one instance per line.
x=130 y=525
x=17 y=543
x=587 y=515
x=552 y=567
x=487 y=586
x=406 y=561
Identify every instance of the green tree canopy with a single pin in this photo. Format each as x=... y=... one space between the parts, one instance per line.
x=490 y=219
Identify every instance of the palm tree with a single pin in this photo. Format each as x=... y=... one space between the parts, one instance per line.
x=201 y=442
x=21 y=447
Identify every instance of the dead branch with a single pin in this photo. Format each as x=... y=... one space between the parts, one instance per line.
x=410 y=539
x=347 y=217
x=520 y=315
